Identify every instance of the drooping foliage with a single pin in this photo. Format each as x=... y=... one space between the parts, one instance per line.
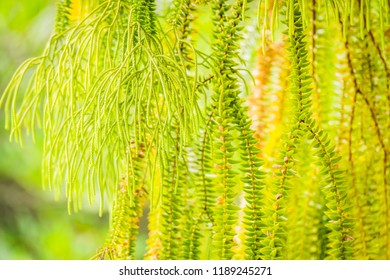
x=156 y=118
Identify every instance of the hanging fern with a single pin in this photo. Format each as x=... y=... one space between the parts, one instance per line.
x=150 y=113
x=97 y=97
x=225 y=212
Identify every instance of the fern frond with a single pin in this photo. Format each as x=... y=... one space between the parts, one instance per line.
x=252 y=178
x=304 y=225
x=335 y=191
x=174 y=203
x=274 y=210
x=63 y=15
x=121 y=242
x=224 y=107
x=92 y=85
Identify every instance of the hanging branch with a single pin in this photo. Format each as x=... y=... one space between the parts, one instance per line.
x=92 y=82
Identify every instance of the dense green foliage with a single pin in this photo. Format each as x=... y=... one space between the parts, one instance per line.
x=148 y=113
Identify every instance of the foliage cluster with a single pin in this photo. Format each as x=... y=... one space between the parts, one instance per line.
x=135 y=109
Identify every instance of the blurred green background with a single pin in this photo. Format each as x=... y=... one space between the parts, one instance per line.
x=33 y=225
